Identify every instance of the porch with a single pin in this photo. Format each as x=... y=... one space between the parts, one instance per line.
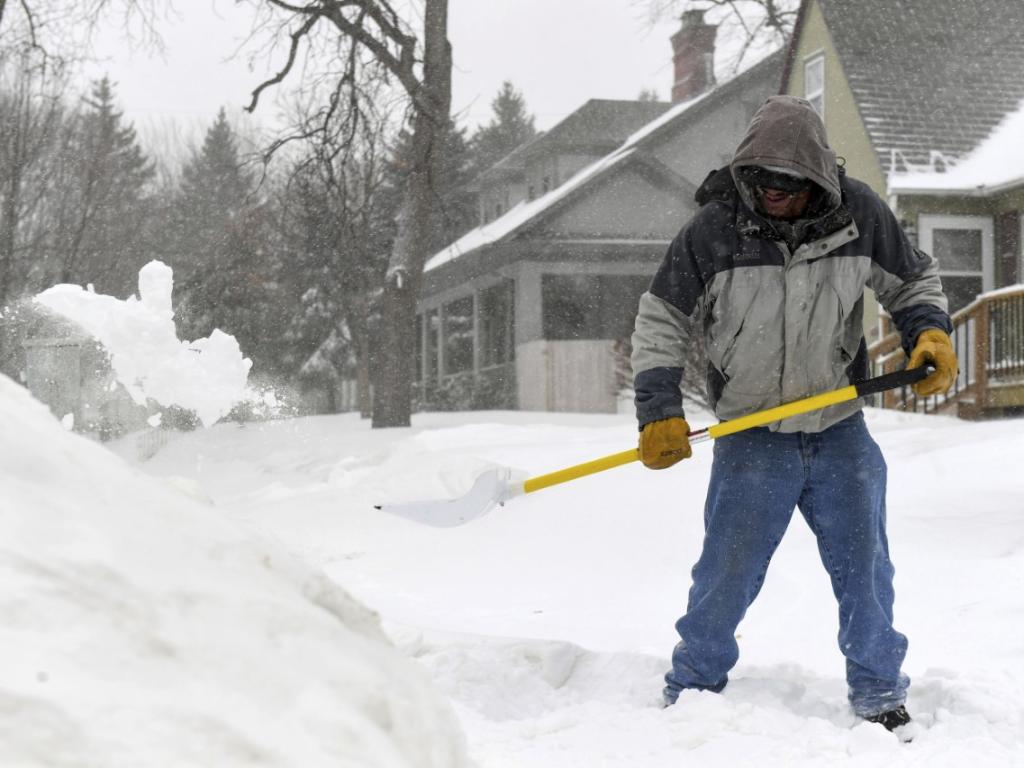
x=988 y=336
x=537 y=336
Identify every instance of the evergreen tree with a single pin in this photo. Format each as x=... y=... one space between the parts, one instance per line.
x=457 y=202
x=510 y=127
x=214 y=190
x=219 y=244
x=101 y=197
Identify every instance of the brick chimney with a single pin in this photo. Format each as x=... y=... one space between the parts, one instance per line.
x=693 y=53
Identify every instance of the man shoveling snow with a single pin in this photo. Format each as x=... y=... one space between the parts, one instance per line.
x=774 y=266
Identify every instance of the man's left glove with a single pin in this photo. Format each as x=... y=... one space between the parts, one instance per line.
x=664 y=442
x=933 y=347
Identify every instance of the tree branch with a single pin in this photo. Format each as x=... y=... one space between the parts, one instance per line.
x=296 y=36
x=30 y=19
x=401 y=66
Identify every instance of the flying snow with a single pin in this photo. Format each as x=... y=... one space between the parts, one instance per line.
x=206 y=375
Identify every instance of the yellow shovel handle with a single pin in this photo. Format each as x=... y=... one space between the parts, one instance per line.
x=759 y=419
x=580 y=470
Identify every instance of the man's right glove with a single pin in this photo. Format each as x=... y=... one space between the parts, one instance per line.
x=933 y=347
x=664 y=442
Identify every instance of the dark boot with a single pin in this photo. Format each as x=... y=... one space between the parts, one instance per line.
x=891 y=720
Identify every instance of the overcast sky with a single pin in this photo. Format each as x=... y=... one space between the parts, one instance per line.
x=559 y=53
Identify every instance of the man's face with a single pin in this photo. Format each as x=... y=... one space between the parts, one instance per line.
x=783 y=205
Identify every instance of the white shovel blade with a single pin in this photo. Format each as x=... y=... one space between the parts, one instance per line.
x=491 y=488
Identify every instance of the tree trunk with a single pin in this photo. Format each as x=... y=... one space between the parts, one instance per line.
x=392 y=402
x=363 y=376
x=8 y=230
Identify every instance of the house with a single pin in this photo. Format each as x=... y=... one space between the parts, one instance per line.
x=528 y=310
x=925 y=100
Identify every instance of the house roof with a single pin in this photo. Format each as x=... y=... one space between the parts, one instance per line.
x=599 y=122
x=526 y=213
x=511 y=165
x=929 y=76
x=598 y=126
x=996 y=163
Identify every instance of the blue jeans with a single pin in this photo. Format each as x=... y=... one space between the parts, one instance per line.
x=837 y=479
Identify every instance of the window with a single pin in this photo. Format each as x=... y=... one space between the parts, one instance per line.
x=814 y=83
x=497 y=322
x=458 y=335
x=590 y=306
x=963 y=246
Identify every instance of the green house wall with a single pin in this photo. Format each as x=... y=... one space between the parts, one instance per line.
x=843 y=123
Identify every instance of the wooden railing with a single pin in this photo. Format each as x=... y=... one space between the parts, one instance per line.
x=988 y=336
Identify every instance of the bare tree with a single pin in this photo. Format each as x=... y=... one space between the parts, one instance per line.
x=336 y=223
x=339 y=41
x=746 y=25
x=62 y=29
x=32 y=117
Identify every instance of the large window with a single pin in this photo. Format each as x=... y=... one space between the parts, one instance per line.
x=590 y=306
x=497 y=321
x=814 y=83
x=963 y=247
x=458 y=335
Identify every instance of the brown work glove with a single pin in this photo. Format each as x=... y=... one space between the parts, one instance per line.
x=664 y=442
x=934 y=348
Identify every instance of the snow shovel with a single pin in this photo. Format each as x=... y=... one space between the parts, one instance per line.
x=496 y=486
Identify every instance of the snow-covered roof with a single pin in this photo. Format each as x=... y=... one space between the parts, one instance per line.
x=519 y=214
x=524 y=211
x=928 y=76
x=997 y=162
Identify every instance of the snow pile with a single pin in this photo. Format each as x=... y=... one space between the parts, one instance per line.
x=207 y=375
x=141 y=628
x=549 y=622
x=996 y=161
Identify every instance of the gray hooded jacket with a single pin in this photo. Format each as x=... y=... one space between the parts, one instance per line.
x=780 y=303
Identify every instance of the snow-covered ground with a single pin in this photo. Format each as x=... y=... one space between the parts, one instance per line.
x=548 y=623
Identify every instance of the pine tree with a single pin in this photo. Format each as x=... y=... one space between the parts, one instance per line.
x=510 y=127
x=214 y=190
x=219 y=245
x=456 y=204
x=101 y=196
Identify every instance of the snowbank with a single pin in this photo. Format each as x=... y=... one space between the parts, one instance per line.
x=142 y=629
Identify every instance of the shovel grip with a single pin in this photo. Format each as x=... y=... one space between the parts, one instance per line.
x=894 y=380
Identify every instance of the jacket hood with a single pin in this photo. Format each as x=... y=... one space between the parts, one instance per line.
x=787 y=133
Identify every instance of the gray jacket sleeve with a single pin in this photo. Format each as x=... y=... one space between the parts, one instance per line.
x=660 y=337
